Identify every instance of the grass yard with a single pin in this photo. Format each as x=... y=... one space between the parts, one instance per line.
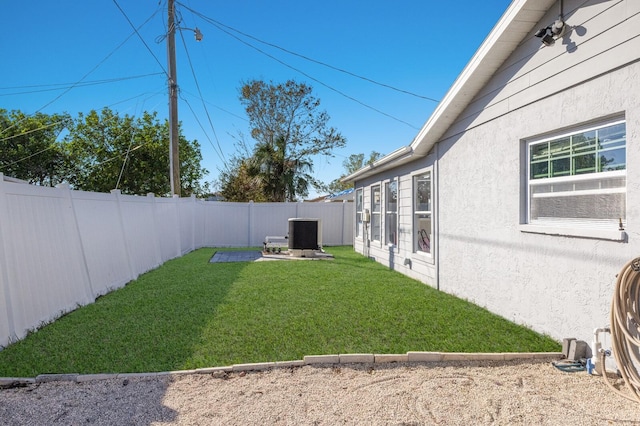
x=190 y=313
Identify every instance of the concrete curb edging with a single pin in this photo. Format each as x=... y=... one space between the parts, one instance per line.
x=409 y=357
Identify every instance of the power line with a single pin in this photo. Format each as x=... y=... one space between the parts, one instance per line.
x=29 y=156
x=139 y=36
x=31 y=131
x=217 y=107
x=126 y=157
x=324 y=64
x=220 y=152
x=217 y=150
x=60 y=86
x=323 y=84
x=62 y=121
x=151 y=95
x=87 y=74
x=307 y=75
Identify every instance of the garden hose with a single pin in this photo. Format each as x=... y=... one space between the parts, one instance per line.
x=569 y=366
x=625 y=329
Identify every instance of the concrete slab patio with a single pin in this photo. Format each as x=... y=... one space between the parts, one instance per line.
x=257 y=255
x=236 y=256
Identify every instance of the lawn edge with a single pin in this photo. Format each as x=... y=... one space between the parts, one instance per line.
x=310 y=360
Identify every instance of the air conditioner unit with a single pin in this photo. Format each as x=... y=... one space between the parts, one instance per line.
x=305 y=237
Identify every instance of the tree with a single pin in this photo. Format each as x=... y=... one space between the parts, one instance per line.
x=29 y=147
x=351 y=165
x=107 y=151
x=289 y=129
x=237 y=184
x=282 y=177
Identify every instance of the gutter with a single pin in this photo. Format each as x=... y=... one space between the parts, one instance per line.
x=388 y=161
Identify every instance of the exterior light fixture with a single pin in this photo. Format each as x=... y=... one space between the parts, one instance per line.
x=198 y=34
x=553 y=32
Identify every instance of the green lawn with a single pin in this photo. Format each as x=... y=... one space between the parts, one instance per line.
x=190 y=313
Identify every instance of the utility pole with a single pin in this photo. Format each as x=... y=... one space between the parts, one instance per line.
x=174 y=158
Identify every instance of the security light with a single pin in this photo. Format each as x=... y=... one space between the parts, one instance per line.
x=198 y=34
x=548 y=39
x=551 y=33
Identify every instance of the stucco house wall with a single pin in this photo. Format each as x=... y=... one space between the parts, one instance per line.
x=561 y=285
x=558 y=282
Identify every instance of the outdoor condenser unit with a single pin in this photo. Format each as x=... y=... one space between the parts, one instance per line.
x=305 y=236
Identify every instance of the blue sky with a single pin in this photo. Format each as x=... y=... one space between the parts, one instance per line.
x=78 y=55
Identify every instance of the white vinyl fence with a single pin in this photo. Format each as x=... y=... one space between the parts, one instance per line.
x=61 y=248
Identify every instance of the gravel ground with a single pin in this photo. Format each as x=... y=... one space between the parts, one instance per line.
x=453 y=393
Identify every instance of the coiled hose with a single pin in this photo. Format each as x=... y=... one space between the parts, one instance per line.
x=625 y=329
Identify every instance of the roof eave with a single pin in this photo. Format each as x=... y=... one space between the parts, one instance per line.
x=397 y=157
x=514 y=26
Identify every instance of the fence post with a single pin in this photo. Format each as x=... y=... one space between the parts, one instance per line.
x=156 y=228
x=193 y=222
x=177 y=227
x=4 y=279
x=344 y=212
x=250 y=227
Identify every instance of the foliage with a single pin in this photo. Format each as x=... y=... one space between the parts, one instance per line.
x=351 y=165
x=29 y=147
x=235 y=181
x=100 y=152
x=108 y=151
x=238 y=185
x=190 y=313
x=289 y=130
x=282 y=177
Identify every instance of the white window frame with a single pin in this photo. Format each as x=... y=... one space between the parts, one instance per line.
x=359 y=211
x=415 y=212
x=376 y=213
x=591 y=228
x=391 y=235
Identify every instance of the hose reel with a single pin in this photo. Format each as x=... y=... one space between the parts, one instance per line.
x=625 y=329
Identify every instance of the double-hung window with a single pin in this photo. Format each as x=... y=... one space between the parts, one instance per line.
x=579 y=179
x=422 y=213
x=375 y=212
x=391 y=212
x=359 y=207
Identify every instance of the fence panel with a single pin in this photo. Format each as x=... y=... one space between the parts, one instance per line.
x=186 y=221
x=140 y=231
x=270 y=219
x=334 y=217
x=103 y=241
x=227 y=224
x=46 y=273
x=166 y=225
x=199 y=225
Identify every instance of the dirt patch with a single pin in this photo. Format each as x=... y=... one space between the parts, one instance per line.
x=464 y=393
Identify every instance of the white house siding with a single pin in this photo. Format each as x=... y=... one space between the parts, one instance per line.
x=420 y=267
x=558 y=285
